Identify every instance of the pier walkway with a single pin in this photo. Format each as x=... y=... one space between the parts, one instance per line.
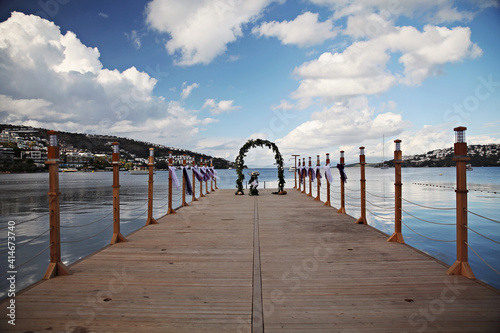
x=257 y=264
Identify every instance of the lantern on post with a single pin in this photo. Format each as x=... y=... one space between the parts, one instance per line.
x=397 y=236
x=56 y=267
x=362 y=180
x=461 y=265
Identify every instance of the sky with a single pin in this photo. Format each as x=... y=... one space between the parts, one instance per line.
x=312 y=76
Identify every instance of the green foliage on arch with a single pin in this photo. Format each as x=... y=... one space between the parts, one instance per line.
x=243 y=152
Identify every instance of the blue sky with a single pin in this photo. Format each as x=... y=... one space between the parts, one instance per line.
x=313 y=76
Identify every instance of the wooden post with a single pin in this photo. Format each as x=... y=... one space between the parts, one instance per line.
x=327 y=202
x=184 y=204
x=318 y=181
x=56 y=267
x=300 y=182
x=215 y=177
x=304 y=179
x=194 y=180
x=211 y=179
x=201 y=182
x=397 y=236
x=151 y=166
x=115 y=160
x=170 y=209
x=342 y=187
x=362 y=180
x=309 y=173
x=206 y=181
x=295 y=170
x=461 y=265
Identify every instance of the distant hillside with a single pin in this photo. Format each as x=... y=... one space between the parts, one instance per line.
x=98 y=144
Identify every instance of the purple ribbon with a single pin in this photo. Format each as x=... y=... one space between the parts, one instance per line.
x=343 y=176
x=312 y=174
x=197 y=174
x=299 y=171
x=174 y=177
x=318 y=173
x=189 y=188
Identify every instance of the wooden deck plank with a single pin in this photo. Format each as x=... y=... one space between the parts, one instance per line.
x=193 y=272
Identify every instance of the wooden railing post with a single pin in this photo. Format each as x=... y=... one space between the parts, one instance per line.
x=342 y=186
x=304 y=173
x=327 y=202
x=295 y=170
x=397 y=236
x=56 y=267
x=170 y=209
x=309 y=173
x=318 y=180
x=184 y=204
x=299 y=170
x=215 y=176
x=362 y=181
x=201 y=182
x=151 y=165
x=194 y=180
x=206 y=180
x=461 y=265
x=115 y=160
x=211 y=178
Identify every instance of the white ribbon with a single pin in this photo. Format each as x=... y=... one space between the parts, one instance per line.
x=328 y=173
x=174 y=177
x=255 y=183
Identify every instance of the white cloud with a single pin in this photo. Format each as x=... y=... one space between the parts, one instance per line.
x=201 y=29
x=304 y=31
x=348 y=123
x=284 y=105
x=135 y=38
x=362 y=67
x=103 y=15
x=434 y=11
x=187 y=91
x=221 y=107
x=52 y=80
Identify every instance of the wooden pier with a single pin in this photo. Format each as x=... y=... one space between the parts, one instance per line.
x=257 y=264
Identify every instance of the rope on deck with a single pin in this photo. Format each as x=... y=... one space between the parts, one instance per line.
x=484 y=217
x=86 y=238
x=418 y=218
x=482 y=259
x=87 y=224
x=432 y=239
x=437 y=208
x=494 y=241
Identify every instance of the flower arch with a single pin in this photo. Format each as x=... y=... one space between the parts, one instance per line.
x=240 y=162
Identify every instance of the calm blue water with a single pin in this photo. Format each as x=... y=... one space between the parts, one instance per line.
x=86 y=198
